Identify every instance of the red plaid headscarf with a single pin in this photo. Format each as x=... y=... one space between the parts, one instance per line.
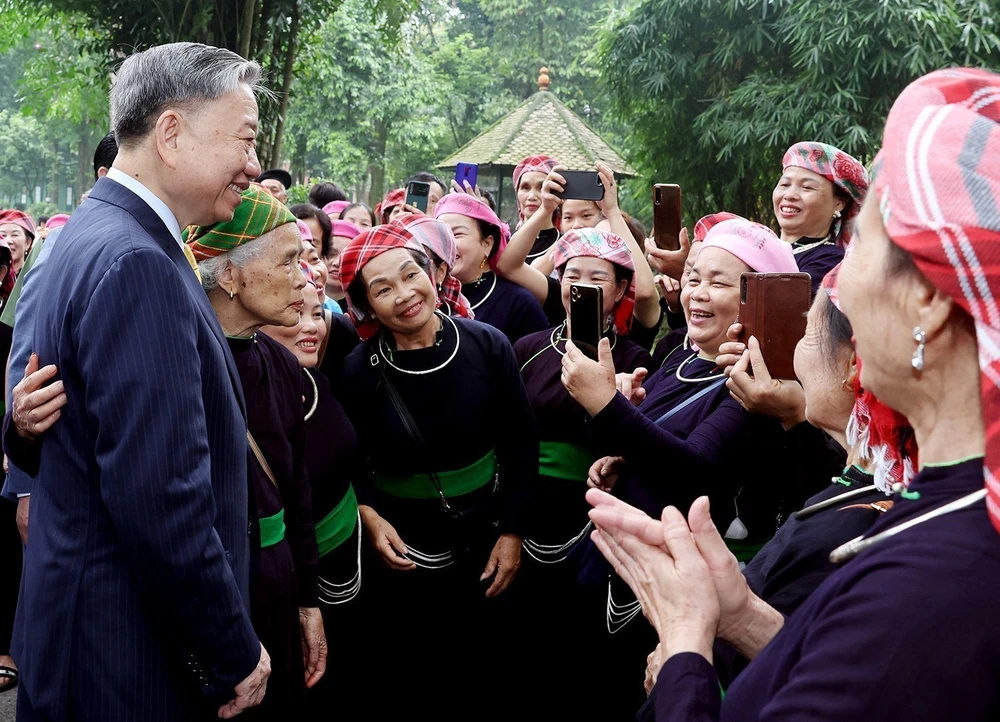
x=537 y=164
x=880 y=435
x=19 y=218
x=706 y=223
x=841 y=169
x=606 y=245
x=937 y=182
x=370 y=244
x=391 y=200
x=436 y=236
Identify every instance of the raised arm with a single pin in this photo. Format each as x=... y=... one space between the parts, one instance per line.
x=513 y=262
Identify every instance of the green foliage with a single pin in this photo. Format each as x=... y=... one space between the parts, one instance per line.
x=715 y=90
x=24 y=158
x=298 y=194
x=42 y=209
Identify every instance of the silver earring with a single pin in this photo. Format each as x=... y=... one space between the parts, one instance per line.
x=836 y=214
x=230 y=295
x=917 y=362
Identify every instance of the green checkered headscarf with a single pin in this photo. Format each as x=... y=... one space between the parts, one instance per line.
x=259 y=213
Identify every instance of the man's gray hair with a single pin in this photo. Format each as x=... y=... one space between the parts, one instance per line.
x=174 y=74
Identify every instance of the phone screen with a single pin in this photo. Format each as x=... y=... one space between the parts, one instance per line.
x=586 y=303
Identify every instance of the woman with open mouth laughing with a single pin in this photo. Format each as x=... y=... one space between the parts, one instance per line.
x=680 y=435
x=815 y=201
x=450 y=450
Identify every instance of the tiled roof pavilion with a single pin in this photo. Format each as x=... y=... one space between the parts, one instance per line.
x=540 y=125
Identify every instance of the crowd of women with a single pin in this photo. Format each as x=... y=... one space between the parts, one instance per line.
x=462 y=514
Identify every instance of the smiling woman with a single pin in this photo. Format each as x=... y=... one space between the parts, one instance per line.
x=450 y=450
x=250 y=268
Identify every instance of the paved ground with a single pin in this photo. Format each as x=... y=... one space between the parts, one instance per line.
x=8 y=702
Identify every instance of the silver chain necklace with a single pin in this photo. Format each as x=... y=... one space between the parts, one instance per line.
x=315 y=402
x=488 y=293
x=458 y=342
x=684 y=364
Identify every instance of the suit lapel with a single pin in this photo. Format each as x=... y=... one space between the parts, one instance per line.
x=118 y=195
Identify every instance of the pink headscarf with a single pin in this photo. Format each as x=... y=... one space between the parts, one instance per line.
x=335 y=208
x=465 y=205
x=754 y=244
x=344 y=229
x=707 y=223
x=57 y=221
x=307 y=235
x=533 y=164
x=606 y=245
x=436 y=237
x=19 y=218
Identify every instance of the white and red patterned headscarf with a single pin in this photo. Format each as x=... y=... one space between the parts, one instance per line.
x=843 y=170
x=937 y=182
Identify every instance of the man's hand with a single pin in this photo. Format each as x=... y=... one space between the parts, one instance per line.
x=314 y=648
x=36 y=407
x=250 y=691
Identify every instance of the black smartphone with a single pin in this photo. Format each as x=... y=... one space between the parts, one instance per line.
x=584 y=185
x=667 y=216
x=586 y=304
x=467 y=173
x=417 y=194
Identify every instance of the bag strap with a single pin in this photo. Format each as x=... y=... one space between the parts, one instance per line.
x=260 y=458
x=687 y=402
x=409 y=424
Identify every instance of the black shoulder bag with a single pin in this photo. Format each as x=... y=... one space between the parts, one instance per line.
x=465 y=526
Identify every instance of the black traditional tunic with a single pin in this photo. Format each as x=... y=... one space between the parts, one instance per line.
x=273 y=387
x=817 y=257
x=904 y=631
x=506 y=306
x=558 y=619
x=545 y=240
x=334 y=466
x=443 y=640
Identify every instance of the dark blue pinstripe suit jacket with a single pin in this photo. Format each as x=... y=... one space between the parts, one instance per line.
x=135 y=590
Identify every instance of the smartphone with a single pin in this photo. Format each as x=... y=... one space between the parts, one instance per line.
x=586 y=304
x=417 y=194
x=773 y=309
x=467 y=173
x=667 y=216
x=584 y=185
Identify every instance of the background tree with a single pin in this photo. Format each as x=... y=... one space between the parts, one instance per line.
x=715 y=90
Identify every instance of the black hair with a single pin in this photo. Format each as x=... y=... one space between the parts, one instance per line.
x=488 y=229
x=107 y=151
x=838 y=333
x=42 y=220
x=426 y=177
x=326 y=192
x=359 y=293
x=490 y=200
x=636 y=228
x=303 y=211
x=359 y=205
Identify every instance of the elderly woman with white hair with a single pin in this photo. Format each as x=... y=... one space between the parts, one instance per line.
x=250 y=268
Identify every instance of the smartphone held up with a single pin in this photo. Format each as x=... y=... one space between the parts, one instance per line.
x=667 y=216
x=417 y=195
x=773 y=309
x=467 y=175
x=583 y=185
x=586 y=323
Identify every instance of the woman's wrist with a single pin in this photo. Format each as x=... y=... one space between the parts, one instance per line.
x=754 y=628
x=692 y=635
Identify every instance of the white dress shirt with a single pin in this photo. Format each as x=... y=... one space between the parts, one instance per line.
x=158 y=206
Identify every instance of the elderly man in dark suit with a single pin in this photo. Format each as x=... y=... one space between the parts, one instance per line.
x=134 y=602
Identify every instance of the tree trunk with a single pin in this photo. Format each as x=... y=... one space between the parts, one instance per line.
x=376 y=168
x=246 y=27
x=286 y=85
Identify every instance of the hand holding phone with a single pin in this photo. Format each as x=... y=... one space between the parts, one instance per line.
x=586 y=322
x=417 y=195
x=467 y=176
x=773 y=309
x=584 y=185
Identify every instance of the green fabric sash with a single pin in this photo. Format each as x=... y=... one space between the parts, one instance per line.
x=742 y=551
x=563 y=460
x=272 y=529
x=338 y=526
x=454 y=483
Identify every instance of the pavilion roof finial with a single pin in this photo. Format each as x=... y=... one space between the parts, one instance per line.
x=543 y=79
